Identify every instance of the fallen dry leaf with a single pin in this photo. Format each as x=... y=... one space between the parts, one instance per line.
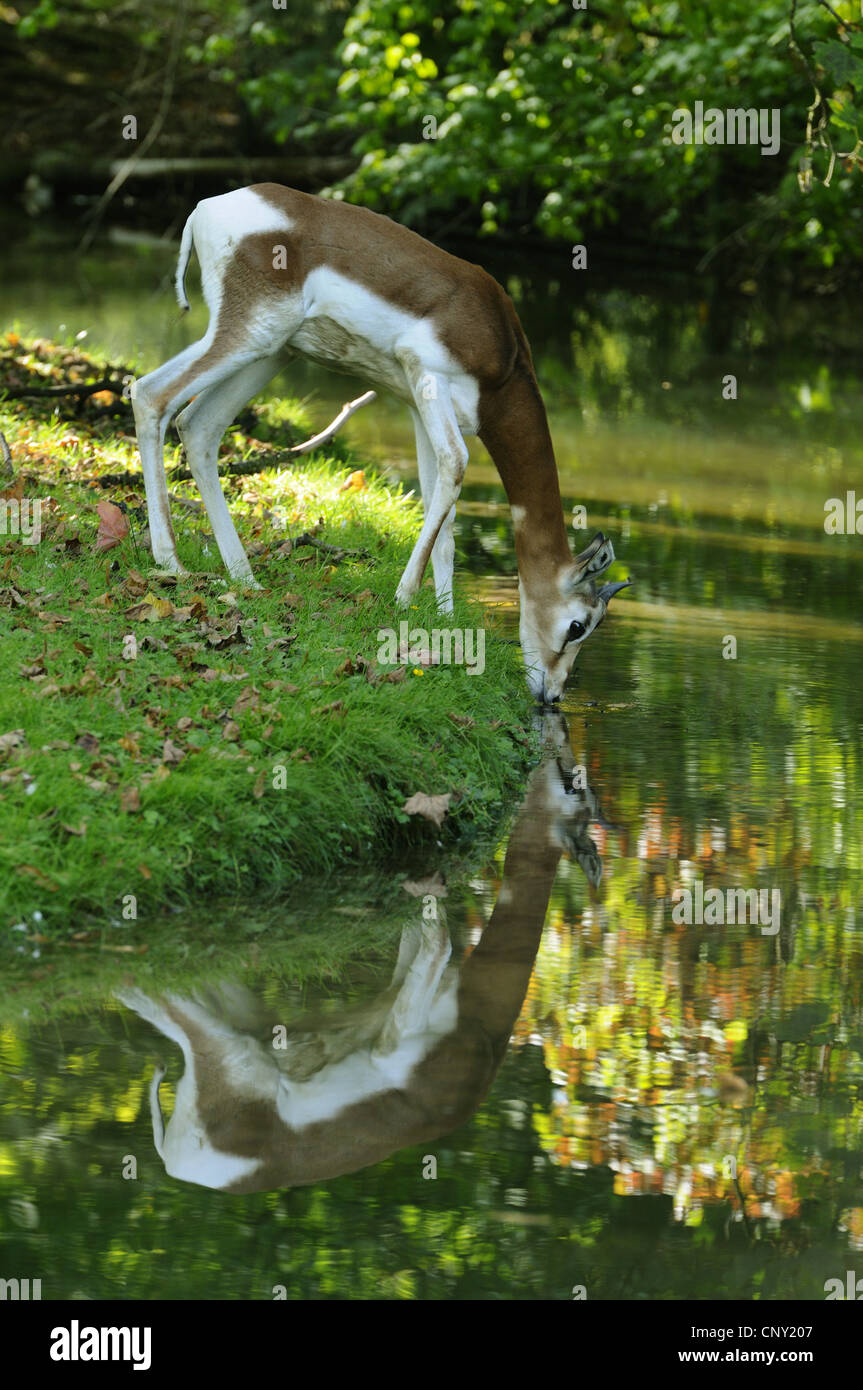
x=335 y=707
x=432 y=808
x=420 y=656
x=219 y=640
x=135 y=585
x=113 y=526
x=42 y=879
x=246 y=700
x=16 y=738
x=150 y=609
x=171 y=753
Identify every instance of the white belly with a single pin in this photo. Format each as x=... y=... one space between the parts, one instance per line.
x=329 y=342
x=349 y=329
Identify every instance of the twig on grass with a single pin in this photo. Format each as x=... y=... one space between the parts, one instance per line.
x=81 y=389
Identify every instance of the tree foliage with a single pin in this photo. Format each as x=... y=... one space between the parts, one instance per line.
x=543 y=118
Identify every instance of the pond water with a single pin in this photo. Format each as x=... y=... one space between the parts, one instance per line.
x=599 y=1091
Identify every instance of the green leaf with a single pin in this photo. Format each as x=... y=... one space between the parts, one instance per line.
x=845 y=64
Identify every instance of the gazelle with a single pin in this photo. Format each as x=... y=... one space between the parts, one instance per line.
x=285 y=274
x=340 y=1093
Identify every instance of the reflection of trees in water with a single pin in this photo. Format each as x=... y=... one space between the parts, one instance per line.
x=706 y=1063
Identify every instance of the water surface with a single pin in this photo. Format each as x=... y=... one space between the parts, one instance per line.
x=677 y=1113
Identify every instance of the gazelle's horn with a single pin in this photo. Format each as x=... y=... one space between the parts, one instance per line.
x=609 y=590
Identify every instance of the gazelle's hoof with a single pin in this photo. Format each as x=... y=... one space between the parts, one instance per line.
x=171 y=565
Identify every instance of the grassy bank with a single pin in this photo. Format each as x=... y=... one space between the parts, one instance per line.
x=161 y=739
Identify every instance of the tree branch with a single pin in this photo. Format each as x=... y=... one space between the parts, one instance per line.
x=843 y=23
x=88 y=389
x=152 y=134
x=344 y=414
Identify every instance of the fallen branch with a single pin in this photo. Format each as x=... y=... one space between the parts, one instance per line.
x=344 y=414
x=336 y=552
x=188 y=503
x=81 y=389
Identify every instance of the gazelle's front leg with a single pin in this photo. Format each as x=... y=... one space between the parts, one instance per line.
x=443 y=553
x=438 y=419
x=419 y=985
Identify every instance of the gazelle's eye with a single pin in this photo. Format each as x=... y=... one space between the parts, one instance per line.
x=576 y=631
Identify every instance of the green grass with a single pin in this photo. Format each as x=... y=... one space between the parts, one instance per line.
x=254 y=739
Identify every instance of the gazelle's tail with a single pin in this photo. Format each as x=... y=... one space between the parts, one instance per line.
x=182 y=264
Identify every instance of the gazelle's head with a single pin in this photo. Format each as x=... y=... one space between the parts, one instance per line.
x=557 y=618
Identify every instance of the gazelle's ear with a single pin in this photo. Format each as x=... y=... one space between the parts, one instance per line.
x=592 y=562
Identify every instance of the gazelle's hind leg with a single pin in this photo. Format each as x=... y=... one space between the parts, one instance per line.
x=155 y=398
x=201 y=426
x=443 y=554
x=151 y=422
x=450 y=454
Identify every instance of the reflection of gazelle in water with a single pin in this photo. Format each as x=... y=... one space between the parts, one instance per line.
x=345 y=1092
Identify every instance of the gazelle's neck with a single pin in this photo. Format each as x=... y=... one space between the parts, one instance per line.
x=514 y=429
